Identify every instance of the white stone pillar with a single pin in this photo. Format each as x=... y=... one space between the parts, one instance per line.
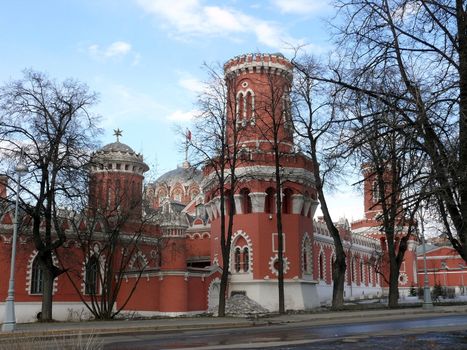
x=209 y=211
x=306 y=206
x=297 y=203
x=213 y=209
x=314 y=206
x=238 y=203
x=257 y=201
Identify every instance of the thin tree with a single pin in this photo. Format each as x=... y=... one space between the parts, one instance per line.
x=423 y=45
x=315 y=125
x=274 y=124
x=215 y=144
x=111 y=236
x=400 y=179
x=53 y=124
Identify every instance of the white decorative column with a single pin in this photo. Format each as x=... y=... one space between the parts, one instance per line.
x=257 y=201
x=213 y=209
x=297 y=203
x=313 y=207
x=209 y=211
x=238 y=203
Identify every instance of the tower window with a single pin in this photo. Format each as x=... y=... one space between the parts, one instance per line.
x=91 y=275
x=376 y=192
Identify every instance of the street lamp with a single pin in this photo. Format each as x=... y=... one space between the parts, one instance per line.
x=9 y=323
x=427 y=303
x=462 y=267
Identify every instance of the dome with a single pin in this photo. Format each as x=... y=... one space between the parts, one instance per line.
x=124 y=157
x=182 y=174
x=117 y=147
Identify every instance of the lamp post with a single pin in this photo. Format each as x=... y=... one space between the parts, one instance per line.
x=462 y=267
x=9 y=323
x=427 y=303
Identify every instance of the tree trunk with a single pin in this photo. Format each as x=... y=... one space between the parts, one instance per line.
x=393 y=298
x=47 y=295
x=338 y=279
x=222 y=292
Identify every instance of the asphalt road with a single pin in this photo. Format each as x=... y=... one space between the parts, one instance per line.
x=435 y=333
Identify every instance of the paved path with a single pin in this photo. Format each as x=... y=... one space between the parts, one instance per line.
x=188 y=323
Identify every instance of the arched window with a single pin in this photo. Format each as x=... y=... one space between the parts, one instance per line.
x=246 y=201
x=37 y=277
x=305 y=260
x=237 y=259
x=287 y=201
x=246 y=259
x=333 y=264
x=269 y=202
x=306 y=255
x=240 y=106
x=362 y=275
x=321 y=266
x=92 y=268
x=376 y=192
x=249 y=104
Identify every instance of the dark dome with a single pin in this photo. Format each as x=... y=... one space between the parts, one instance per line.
x=181 y=174
x=117 y=147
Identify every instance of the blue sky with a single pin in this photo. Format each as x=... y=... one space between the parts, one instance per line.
x=145 y=57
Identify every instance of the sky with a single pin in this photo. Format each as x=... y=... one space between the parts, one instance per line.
x=145 y=59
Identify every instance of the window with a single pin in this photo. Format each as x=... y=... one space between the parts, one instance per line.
x=246 y=260
x=91 y=275
x=237 y=260
x=376 y=192
x=37 y=277
x=362 y=276
x=321 y=267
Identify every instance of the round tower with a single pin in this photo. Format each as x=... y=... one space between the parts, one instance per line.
x=258 y=114
x=116 y=183
x=258 y=99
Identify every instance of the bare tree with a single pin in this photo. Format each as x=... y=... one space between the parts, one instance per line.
x=399 y=176
x=216 y=146
x=420 y=47
x=53 y=124
x=314 y=122
x=274 y=125
x=113 y=241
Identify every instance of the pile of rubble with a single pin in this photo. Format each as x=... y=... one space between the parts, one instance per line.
x=241 y=306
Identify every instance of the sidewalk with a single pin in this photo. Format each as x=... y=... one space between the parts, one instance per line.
x=205 y=322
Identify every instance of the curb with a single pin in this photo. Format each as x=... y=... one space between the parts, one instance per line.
x=319 y=318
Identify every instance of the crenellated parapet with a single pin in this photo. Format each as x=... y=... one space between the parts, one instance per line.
x=258 y=63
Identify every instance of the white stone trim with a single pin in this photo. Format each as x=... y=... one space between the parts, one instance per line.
x=273 y=259
x=29 y=272
x=233 y=246
x=257 y=201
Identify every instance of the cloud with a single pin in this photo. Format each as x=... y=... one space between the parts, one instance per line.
x=179 y=116
x=301 y=6
x=190 y=18
x=121 y=103
x=116 y=49
x=191 y=84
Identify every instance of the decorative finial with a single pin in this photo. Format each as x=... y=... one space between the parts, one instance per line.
x=118 y=134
